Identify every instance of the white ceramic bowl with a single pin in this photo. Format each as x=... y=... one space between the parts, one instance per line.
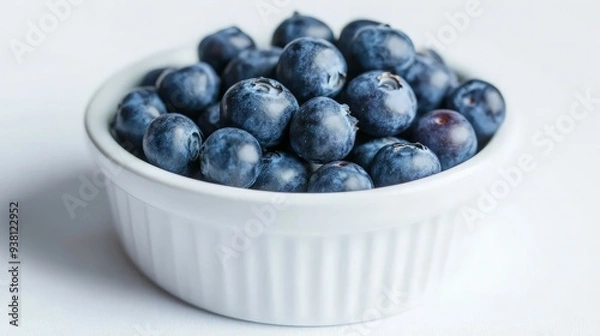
x=290 y=259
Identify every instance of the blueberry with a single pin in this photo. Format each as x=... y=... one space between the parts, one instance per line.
x=282 y=172
x=172 y=142
x=347 y=34
x=432 y=54
x=300 y=26
x=210 y=119
x=449 y=135
x=454 y=81
x=190 y=90
x=311 y=68
x=152 y=77
x=220 y=48
x=383 y=103
x=430 y=80
x=231 y=157
x=136 y=111
x=339 y=176
x=381 y=48
x=262 y=107
x=482 y=104
x=364 y=153
x=322 y=130
x=251 y=63
x=400 y=163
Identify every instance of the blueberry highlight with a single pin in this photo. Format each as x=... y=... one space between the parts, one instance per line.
x=482 y=104
x=172 y=142
x=339 y=176
x=282 y=172
x=311 y=68
x=430 y=80
x=400 y=163
x=190 y=90
x=231 y=157
x=349 y=31
x=449 y=135
x=323 y=131
x=381 y=48
x=261 y=106
x=383 y=103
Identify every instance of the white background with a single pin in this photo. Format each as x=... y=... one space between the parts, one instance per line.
x=535 y=269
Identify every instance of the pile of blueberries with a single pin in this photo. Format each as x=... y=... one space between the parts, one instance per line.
x=310 y=113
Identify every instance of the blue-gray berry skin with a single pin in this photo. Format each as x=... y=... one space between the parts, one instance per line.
x=135 y=112
x=383 y=103
x=311 y=68
x=152 y=77
x=251 y=63
x=210 y=119
x=482 y=104
x=454 y=80
x=172 y=142
x=339 y=176
x=282 y=172
x=190 y=90
x=432 y=54
x=322 y=131
x=381 y=48
x=431 y=80
x=220 y=48
x=261 y=106
x=449 y=135
x=348 y=32
x=230 y=157
x=301 y=26
x=401 y=163
x=364 y=153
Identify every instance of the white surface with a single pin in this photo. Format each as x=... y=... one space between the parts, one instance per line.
x=535 y=272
